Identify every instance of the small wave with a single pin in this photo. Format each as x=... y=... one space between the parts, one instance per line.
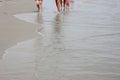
x=28 y=17
x=103 y=35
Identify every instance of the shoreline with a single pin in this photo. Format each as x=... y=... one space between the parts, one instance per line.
x=80 y=44
x=13 y=30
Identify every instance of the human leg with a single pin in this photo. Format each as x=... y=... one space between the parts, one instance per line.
x=68 y=3
x=40 y=5
x=64 y=4
x=58 y=4
x=37 y=4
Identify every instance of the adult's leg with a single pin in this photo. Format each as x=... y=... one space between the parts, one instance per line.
x=64 y=4
x=58 y=4
x=61 y=2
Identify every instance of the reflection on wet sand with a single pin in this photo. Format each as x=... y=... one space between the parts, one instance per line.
x=50 y=52
x=58 y=60
x=1 y=54
x=81 y=45
x=56 y=35
x=64 y=55
x=40 y=20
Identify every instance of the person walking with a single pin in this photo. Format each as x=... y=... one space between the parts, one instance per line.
x=66 y=4
x=58 y=4
x=39 y=5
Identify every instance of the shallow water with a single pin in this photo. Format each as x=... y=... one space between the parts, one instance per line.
x=80 y=44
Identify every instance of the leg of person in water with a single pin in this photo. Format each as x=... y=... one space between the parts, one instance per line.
x=64 y=2
x=67 y=4
x=58 y=4
x=61 y=4
x=37 y=4
x=40 y=6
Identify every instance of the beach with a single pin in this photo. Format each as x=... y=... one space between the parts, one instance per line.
x=13 y=30
x=82 y=43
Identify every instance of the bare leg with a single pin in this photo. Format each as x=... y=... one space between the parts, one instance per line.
x=58 y=4
x=37 y=4
x=61 y=4
x=40 y=5
x=64 y=3
x=68 y=5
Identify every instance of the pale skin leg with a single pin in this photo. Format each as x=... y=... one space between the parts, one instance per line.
x=68 y=4
x=39 y=5
x=64 y=3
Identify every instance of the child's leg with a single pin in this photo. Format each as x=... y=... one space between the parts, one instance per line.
x=40 y=5
x=68 y=3
x=37 y=4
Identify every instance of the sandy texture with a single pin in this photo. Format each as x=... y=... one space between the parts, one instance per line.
x=13 y=30
x=82 y=43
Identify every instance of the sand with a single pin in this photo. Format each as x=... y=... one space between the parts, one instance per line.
x=82 y=43
x=13 y=30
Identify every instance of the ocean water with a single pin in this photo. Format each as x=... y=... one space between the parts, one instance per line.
x=82 y=43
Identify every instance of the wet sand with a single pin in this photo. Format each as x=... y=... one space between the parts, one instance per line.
x=13 y=30
x=79 y=44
